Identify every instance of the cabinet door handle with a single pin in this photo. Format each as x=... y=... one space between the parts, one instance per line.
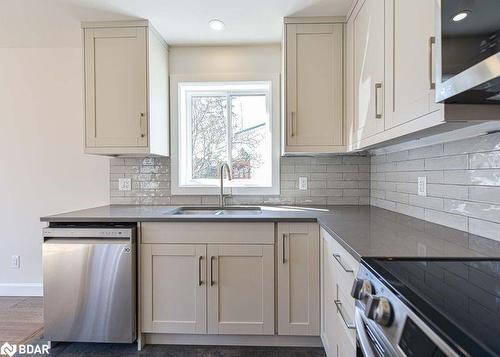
x=293 y=123
x=349 y=325
x=200 y=282
x=212 y=270
x=377 y=87
x=432 y=41
x=141 y=117
x=346 y=268
x=283 y=238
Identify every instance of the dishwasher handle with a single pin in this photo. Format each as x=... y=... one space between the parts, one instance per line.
x=69 y=241
x=106 y=233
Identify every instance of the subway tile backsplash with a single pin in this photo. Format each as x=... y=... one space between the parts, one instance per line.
x=463 y=184
x=331 y=180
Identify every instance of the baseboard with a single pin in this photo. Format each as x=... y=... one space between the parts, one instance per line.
x=233 y=340
x=26 y=289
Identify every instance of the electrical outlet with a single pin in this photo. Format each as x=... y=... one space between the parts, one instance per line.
x=124 y=184
x=15 y=262
x=302 y=183
x=422 y=186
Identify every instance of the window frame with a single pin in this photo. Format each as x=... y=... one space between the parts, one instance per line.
x=179 y=147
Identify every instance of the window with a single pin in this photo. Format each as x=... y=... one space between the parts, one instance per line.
x=225 y=122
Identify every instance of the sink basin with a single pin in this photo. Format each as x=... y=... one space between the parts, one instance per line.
x=219 y=211
x=239 y=211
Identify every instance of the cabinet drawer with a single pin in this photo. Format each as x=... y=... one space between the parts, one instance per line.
x=344 y=308
x=208 y=232
x=345 y=266
x=345 y=343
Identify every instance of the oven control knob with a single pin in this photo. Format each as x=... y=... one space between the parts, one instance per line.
x=361 y=289
x=379 y=309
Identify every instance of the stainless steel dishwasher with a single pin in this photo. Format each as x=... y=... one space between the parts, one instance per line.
x=89 y=282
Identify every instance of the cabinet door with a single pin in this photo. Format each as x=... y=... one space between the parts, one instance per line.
x=173 y=288
x=314 y=56
x=368 y=68
x=241 y=289
x=409 y=60
x=329 y=324
x=116 y=87
x=298 y=279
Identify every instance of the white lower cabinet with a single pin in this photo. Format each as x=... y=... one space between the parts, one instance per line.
x=338 y=270
x=174 y=288
x=207 y=288
x=298 y=279
x=241 y=289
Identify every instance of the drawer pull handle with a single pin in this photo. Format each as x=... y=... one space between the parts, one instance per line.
x=294 y=120
x=349 y=325
x=200 y=282
x=283 y=258
x=432 y=41
x=212 y=271
x=377 y=87
x=346 y=269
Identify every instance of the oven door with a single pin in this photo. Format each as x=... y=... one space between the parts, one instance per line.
x=368 y=344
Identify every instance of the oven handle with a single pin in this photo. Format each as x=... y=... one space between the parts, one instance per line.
x=364 y=340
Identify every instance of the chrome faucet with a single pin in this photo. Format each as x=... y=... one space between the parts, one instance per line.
x=228 y=171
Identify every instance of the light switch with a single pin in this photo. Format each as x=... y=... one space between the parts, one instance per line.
x=422 y=186
x=124 y=184
x=302 y=183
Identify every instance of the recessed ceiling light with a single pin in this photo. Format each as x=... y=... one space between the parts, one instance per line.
x=216 y=25
x=461 y=15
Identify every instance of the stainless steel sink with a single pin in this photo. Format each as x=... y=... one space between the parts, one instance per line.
x=219 y=211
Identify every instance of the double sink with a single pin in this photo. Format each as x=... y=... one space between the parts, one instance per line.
x=219 y=211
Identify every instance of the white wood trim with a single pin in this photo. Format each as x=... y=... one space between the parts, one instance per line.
x=274 y=78
x=234 y=340
x=314 y=19
x=105 y=24
x=21 y=289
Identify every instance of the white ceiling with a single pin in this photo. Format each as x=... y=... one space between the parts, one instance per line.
x=185 y=21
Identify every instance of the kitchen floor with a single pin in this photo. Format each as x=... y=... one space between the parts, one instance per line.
x=21 y=321
x=21 y=318
x=84 y=349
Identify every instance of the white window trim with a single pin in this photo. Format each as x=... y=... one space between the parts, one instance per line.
x=274 y=120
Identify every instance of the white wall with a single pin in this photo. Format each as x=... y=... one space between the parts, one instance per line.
x=225 y=59
x=42 y=166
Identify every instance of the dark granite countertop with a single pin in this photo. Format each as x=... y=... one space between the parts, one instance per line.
x=365 y=231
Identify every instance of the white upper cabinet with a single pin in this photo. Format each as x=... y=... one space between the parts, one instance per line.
x=391 y=56
x=126 y=89
x=410 y=38
x=365 y=58
x=313 y=91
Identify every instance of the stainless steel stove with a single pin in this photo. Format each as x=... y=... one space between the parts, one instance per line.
x=428 y=307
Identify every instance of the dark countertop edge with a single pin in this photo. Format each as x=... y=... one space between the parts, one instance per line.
x=177 y=219
x=320 y=217
x=339 y=239
x=330 y=231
